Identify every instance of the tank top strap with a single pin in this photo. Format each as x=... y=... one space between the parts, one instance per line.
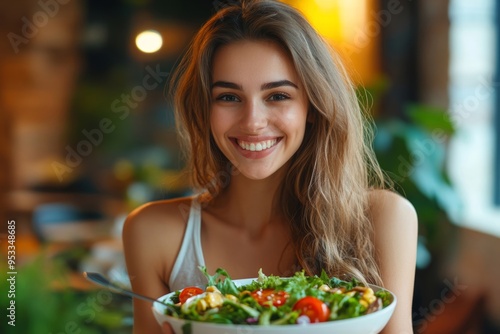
x=185 y=271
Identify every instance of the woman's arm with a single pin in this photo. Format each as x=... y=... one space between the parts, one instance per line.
x=395 y=236
x=152 y=235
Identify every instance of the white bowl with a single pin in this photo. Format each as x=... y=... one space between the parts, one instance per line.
x=367 y=324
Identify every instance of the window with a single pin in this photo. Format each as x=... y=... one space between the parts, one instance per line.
x=474 y=91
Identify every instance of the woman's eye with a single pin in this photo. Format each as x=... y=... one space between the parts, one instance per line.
x=279 y=97
x=228 y=98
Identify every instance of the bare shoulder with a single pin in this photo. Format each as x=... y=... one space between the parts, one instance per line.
x=152 y=236
x=154 y=231
x=151 y=217
x=388 y=209
x=395 y=227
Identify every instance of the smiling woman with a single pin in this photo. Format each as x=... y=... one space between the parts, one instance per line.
x=259 y=91
x=259 y=107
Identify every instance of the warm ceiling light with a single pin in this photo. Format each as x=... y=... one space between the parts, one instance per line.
x=149 y=41
x=326 y=4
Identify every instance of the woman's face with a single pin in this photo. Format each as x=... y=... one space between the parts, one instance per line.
x=259 y=107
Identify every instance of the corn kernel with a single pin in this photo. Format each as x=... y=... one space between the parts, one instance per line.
x=214 y=299
x=212 y=288
x=232 y=297
x=201 y=305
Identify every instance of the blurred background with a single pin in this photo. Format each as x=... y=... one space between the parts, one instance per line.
x=87 y=134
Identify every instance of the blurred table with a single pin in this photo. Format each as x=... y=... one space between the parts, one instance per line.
x=23 y=201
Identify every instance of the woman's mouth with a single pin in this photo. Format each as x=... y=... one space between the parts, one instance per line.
x=257 y=146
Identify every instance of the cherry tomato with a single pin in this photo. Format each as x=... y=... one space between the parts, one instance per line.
x=189 y=292
x=265 y=297
x=313 y=308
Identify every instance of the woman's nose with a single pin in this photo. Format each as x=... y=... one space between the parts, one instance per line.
x=254 y=117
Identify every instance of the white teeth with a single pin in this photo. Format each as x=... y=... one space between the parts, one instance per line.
x=263 y=145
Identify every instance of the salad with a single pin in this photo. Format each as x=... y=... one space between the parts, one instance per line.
x=274 y=300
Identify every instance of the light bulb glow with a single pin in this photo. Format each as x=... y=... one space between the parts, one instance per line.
x=149 y=41
x=326 y=4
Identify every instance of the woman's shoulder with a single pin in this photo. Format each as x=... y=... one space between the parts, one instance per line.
x=174 y=210
x=388 y=210
x=152 y=236
x=395 y=236
x=392 y=215
x=383 y=202
x=155 y=219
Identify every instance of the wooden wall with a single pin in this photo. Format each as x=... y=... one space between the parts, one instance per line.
x=38 y=71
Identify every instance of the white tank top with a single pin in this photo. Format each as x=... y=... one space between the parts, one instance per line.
x=185 y=271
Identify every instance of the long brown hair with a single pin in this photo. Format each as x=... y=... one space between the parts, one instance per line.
x=325 y=191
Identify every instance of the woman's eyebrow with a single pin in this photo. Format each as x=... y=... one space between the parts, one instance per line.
x=226 y=84
x=280 y=83
x=265 y=86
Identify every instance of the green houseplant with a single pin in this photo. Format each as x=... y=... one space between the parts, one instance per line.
x=412 y=151
x=45 y=303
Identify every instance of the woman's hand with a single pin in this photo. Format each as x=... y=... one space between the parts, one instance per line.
x=166 y=329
